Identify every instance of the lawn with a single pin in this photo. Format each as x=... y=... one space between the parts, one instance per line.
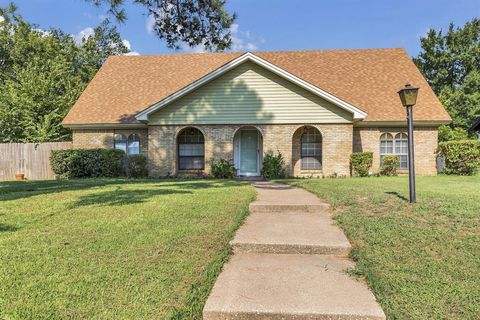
x=422 y=261
x=114 y=249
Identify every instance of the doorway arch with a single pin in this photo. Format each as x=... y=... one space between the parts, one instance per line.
x=248 y=151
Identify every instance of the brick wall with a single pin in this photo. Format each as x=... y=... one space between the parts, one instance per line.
x=337 y=146
x=92 y=138
x=159 y=143
x=368 y=140
x=104 y=138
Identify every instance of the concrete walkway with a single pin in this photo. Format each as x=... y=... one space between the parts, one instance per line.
x=288 y=263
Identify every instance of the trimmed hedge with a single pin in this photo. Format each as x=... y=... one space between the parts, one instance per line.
x=273 y=166
x=389 y=165
x=96 y=163
x=361 y=162
x=461 y=157
x=223 y=169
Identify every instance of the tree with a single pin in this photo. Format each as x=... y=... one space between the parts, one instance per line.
x=451 y=64
x=191 y=22
x=42 y=74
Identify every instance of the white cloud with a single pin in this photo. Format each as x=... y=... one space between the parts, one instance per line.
x=241 y=41
x=132 y=53
x=43 y=32
x=150 y=23
x=2 y=19
x=196 y=49
x=83 y=34
x=127 y=44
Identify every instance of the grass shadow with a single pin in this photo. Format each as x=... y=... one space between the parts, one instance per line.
x=12 y=190
x=7 y=228
x=119 y=196
x=398 y=195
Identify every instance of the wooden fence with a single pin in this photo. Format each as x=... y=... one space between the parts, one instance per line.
x=31 y=159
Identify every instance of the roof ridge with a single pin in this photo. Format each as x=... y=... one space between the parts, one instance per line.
x=255 y=52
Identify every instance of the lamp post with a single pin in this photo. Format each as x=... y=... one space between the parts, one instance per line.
x=408 y=96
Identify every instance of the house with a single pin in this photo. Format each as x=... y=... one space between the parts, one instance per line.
x=315 y=107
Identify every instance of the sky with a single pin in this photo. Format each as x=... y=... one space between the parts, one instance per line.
x=268 y=25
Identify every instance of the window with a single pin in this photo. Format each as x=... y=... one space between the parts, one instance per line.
x=311 y=151
x=191 y=151
x=133 y=144
x=386 y=145
x=401 y=149
x=397 y=146
x=120 y=142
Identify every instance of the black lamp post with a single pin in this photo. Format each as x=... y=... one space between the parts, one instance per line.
x=408 y=95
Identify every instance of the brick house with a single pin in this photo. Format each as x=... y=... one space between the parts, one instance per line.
x=315 y=107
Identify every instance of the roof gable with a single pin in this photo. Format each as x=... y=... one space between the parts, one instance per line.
x=357 y=113
x=249 y=94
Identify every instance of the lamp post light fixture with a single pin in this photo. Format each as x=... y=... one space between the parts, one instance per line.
x=408 y=96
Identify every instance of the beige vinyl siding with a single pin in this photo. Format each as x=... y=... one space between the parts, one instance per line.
x=250 y=94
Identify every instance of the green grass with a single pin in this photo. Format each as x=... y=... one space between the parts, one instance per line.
x=114 y=249
x=422 y=261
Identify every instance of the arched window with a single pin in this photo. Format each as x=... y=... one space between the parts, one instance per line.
x=401 y=149
x=191 y=149
x=397 y=146
x=311 y=152
x=120 y=142
x=133 y=144
x=386 y=145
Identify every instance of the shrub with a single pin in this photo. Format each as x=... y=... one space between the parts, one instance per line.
x=273 y=166
x=447 y=133
x=223 y=169
x=389 y=165
x=86 y=163
x=361 y=162
x=461 y=157
x=136 y=166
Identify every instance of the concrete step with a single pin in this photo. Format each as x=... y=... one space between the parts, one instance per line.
x=260 y=207
x=287 y=232
x=289 y=286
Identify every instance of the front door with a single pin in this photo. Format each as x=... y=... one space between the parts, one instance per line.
x=249 y=153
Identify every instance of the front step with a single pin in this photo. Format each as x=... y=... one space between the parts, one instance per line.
x=290 y=286
x=286 y=232
x=258 y=207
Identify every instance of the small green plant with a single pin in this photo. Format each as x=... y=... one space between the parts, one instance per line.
x=461 y=157
x=223 y=169
x=389 y=165
x=136 y=166
x=273 y=166
x=361 y=162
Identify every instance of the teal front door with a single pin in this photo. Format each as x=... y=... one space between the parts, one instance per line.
x=249 y=152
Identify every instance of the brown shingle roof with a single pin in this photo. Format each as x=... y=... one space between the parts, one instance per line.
x=367 y=79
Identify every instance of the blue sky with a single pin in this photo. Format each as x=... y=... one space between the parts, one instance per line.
x=279 y=24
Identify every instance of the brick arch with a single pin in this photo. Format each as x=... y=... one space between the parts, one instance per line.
x=248 y=126
x=319 y=128
x=180 y=129
x=189 y=158
x=296 y=151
